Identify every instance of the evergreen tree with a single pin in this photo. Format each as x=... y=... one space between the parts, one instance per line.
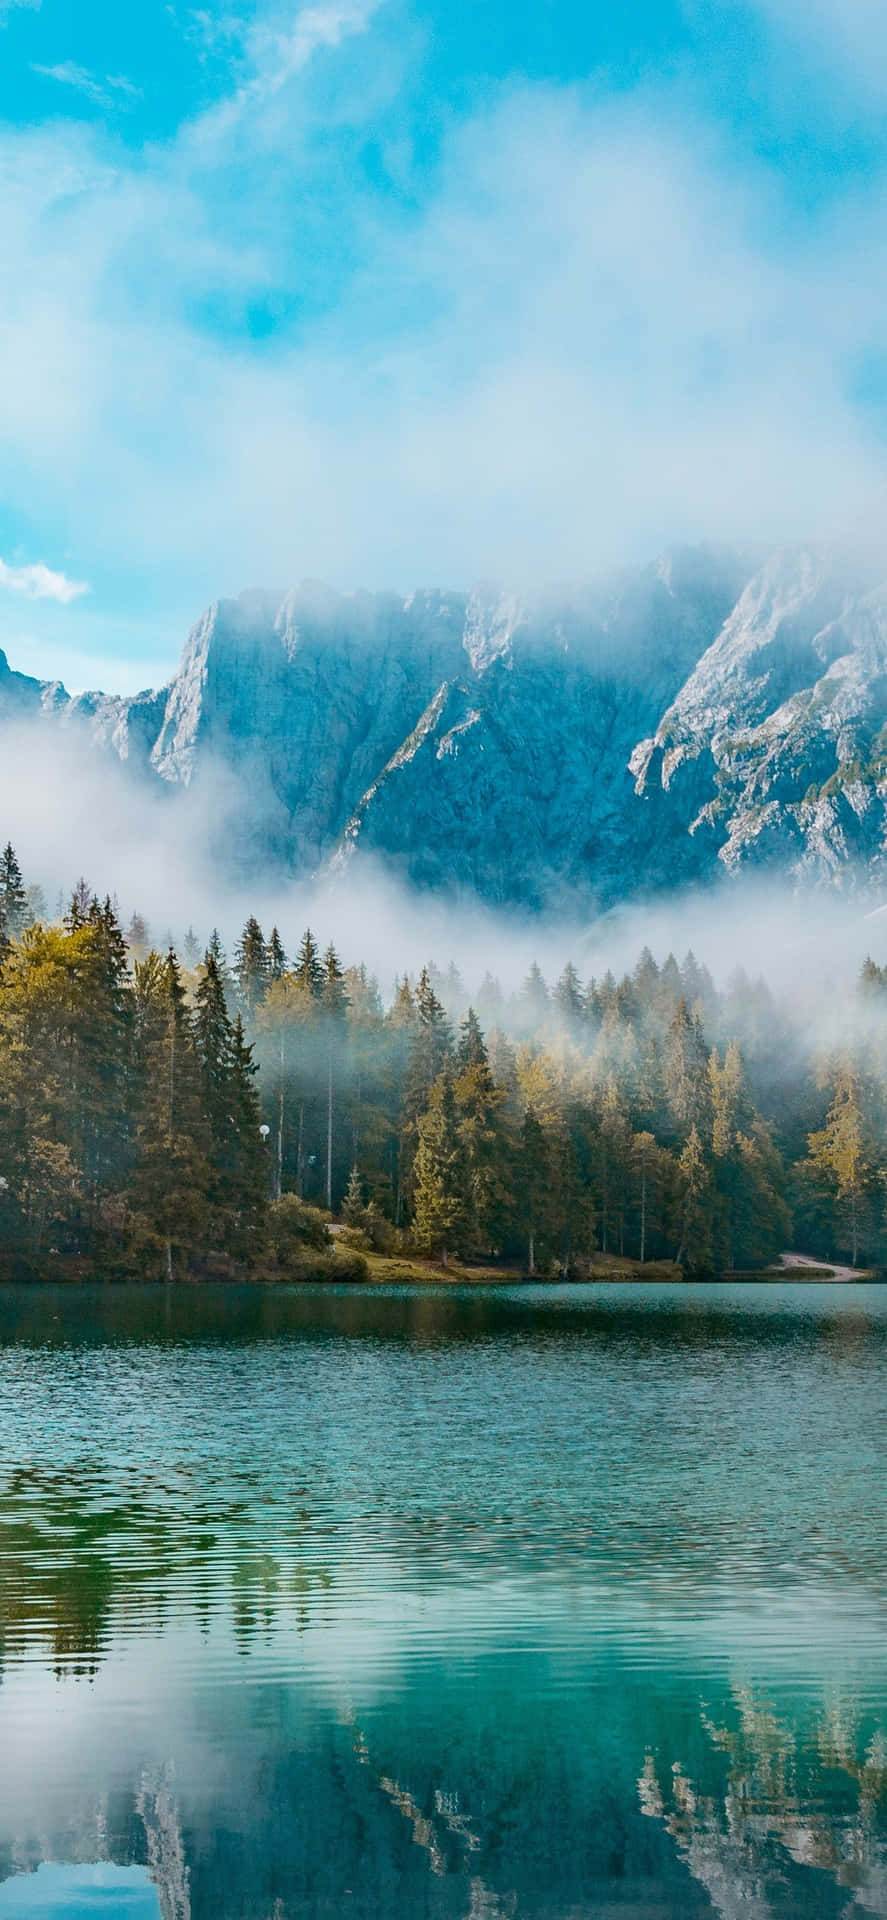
x=439 y=1198
x=479 y=1104
x=353 y=1206
x=78 y=906
x=849 y=1154
x=308 y=969
x=695 y=1251
x=251 y=967
x=138 y=937
x=535 y=1000
x=334 y=1000
x=568 y=998
x=172 y=1174
x=471 y=1051
x=275 y=958
x=13 y=898
x=684 y=1067
x=534 y=1186
x=248 y=1182
x=652 y=1169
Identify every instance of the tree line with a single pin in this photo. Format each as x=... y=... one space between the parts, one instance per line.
x=172 y=1113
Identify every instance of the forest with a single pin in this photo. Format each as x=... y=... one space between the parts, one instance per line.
x=186 y=1114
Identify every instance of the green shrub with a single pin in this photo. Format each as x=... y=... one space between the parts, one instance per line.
x=293 y=1226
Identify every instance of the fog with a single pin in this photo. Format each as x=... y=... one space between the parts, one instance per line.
x=170 y=854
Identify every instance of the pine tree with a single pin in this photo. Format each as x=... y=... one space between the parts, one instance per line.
x=439 y=1198
x=13 y=898
x=78 y=906
x=248 y=1182
x=334 y=1000
x=354 y=1205
x=138 y=937
x=847 y=1153
x=215 y=949
x=695 y=1251
x=535 y=1000
x=471 y=1051
x=568 y=997
x=172 y=1176
x=684 y=1068
x=308 y=969
x=275 y=958
x=479 y=1104
x=251 y=967
x=533 y=1185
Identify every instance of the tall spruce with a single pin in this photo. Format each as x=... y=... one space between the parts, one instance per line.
x=251 y=968
x=440 y=1173
x=172 y=1178
x=13 y=898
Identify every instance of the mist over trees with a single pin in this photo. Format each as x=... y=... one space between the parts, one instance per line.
x=173 y=1114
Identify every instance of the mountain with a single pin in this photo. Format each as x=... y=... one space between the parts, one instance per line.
x=650 y=729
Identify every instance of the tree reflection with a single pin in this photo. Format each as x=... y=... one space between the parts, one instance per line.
x=819 y=1802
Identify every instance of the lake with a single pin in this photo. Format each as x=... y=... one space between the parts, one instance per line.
x=544 y=1601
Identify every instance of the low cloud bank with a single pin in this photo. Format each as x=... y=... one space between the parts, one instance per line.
x=172 y=855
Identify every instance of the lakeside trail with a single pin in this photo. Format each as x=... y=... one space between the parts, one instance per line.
x=835 y=1273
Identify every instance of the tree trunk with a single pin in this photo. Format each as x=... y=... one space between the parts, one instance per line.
x=278 y=1178
x=531 y=1252
x=299 y=1151
x=329 y=1130
x=169 y=1272
x=643 y=1214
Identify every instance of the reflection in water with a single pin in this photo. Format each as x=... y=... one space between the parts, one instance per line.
x=776 y=1797
x=438 y=1606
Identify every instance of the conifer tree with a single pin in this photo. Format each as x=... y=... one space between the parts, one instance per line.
x=275 y=957
x=251 y=967
x=535 y=999
x=308 y=968
x=845 y=1152
x=439 y=1198
x=78 y=906
x=138 y=937
x=568 y=998
x=684 y=1067
x=172 y=1172
x=334 y=1000
x=13 y=898
x=479 y=1104
x=247 y=1189
x=695 y=1250
x=533 y=1184
x=353 y=1205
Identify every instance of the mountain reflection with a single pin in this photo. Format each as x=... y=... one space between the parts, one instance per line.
x=365 y=1607
x=781 y=1799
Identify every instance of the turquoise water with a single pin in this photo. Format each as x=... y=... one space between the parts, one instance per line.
x=551 y=1602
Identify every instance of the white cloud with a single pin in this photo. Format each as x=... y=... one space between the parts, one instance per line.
x=101 y=92
x=599 y=334
x=280 y=50
x=39 y=582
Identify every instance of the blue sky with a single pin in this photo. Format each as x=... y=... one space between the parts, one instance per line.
x=395 y=293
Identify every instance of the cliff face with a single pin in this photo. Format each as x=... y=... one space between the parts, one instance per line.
x=643 y=732
x=775 y=749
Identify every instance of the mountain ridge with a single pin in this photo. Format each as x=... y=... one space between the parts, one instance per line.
x=647 y=730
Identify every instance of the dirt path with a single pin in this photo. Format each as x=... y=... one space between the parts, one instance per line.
x=808 y=1260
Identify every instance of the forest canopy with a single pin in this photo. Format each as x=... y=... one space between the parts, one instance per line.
x=183 y=1113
